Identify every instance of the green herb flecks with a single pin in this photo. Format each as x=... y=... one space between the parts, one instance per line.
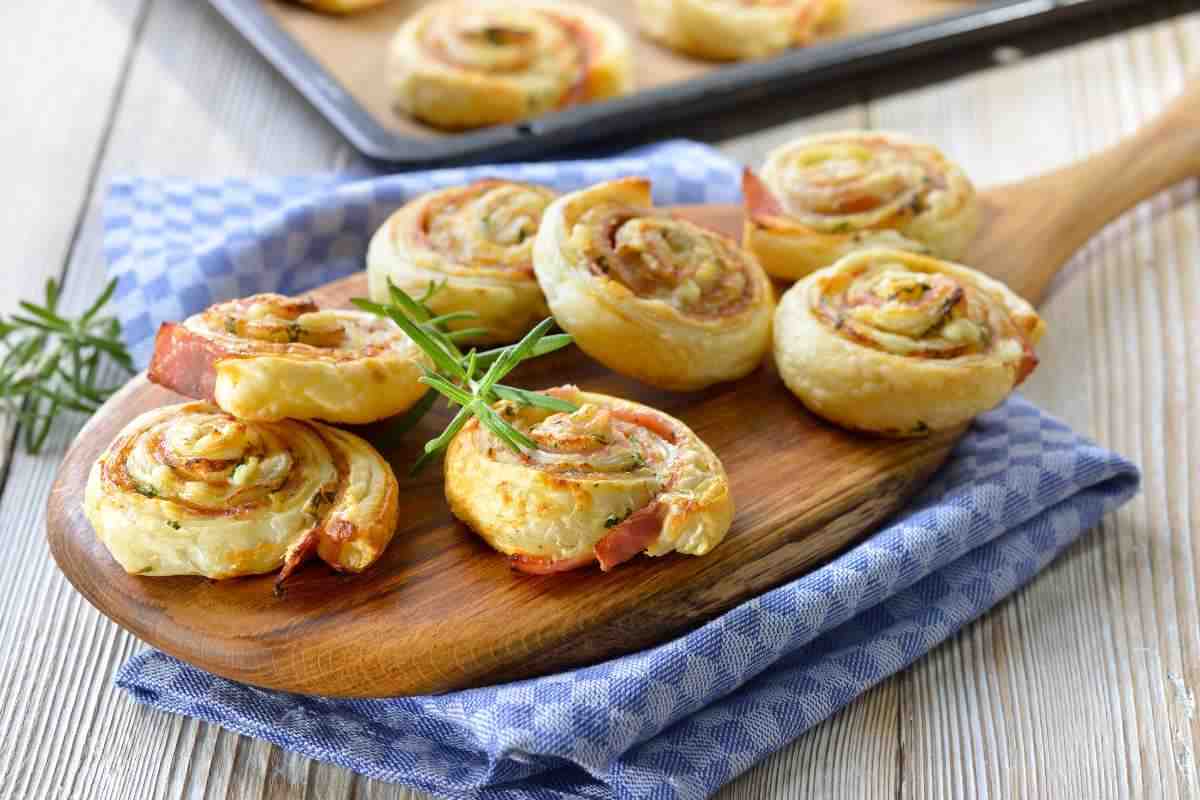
x=614 y=520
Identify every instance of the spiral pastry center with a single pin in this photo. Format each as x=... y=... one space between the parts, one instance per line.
x=593 y=440
x=268 y=323
x=826 y=185
x=892 y=307
x=530 y=41
x=657 y=256
x=212 y=464
x=273 y=318
x=494 y=227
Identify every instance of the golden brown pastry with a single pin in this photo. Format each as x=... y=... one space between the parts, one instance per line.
x=477 y=242
x=824 y=196
x=468 y=64
x=189 y=490
x=736 y=29
x=900 y=344
x=268 y=357
x=340 y=6
x=606 y=482
x=649 y=295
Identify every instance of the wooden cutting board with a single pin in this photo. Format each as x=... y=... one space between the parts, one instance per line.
x=442 y=611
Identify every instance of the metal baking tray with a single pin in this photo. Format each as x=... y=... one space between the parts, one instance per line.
x=337 y=64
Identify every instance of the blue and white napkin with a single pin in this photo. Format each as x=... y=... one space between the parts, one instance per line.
x=675 y=721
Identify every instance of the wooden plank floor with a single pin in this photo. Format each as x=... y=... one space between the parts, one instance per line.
x=1083 y=685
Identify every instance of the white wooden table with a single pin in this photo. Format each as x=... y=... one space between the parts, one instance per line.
x=1082 y=685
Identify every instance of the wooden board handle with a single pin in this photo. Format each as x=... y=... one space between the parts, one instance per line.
x=1056 y=213
x=1161 y=153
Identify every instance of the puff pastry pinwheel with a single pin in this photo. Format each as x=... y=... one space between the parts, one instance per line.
x=462 y=65
x=824 y=196
x=606 y=482
x=268 y=357
x=900 y=344
x=341 y=6
x=476 y=241
x=189 y=490
x=650 y=295
x=735 y=29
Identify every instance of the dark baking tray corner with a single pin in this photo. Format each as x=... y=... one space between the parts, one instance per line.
x=797 y=70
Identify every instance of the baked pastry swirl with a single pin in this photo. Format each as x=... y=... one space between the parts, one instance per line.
x=650 y=295
x=736 y=29
x=268 y=357
x=606 y=482
x=900 y=344
x=477 y=242
x=465 y=65
x=189 y=490
x=824 y=196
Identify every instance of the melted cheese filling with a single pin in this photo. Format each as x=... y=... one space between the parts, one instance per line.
x=838 y=187
x=548 y=53
x=901 y=309
x=659 y=257
x=490 y=225
x=276 y=324
x=593 y=441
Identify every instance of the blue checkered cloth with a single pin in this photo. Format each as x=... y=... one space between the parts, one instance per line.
x=675 y=721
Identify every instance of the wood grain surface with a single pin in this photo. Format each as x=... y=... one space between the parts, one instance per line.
x=353 y=48
x=1078 y=686
x=443 y=611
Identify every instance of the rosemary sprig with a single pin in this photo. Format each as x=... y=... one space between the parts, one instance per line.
x=51 y=362
x=470 y=380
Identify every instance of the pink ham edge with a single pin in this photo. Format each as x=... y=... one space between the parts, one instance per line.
x=759 y=200
x=185 y=362
x=630 y=537
x=541 y=565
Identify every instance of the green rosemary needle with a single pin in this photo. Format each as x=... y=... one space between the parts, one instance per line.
x=52 y=363
x=470 y=380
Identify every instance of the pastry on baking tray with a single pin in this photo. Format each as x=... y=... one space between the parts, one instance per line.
x=650 y=295
x=476 y=241
x=824 y=196
x=189 y=490
x=340 y=6
x=900 y=344
x=462 y=65
x=606 y=482
x=730 y=30
x=268 y=357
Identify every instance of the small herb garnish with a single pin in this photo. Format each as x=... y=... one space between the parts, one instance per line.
x=294 y=331
x=51 y=362
x=173 y=525
x=145 y=490
x=231 y=326
x=614 y=520
x=457 y=376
